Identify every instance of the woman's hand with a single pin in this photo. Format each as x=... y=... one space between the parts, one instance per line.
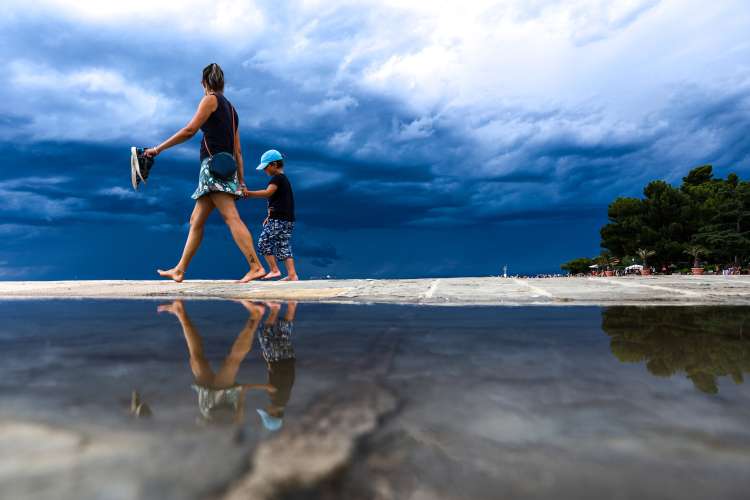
x=151 y=152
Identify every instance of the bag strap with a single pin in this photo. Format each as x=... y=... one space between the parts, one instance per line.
x=231 y=112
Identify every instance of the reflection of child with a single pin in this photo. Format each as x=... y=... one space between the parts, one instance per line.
x=276 y=345
x=220 y=398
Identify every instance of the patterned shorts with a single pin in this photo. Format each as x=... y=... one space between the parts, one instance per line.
x=275 y=239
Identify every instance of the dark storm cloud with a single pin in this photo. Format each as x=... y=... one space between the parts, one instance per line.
x=333 y=93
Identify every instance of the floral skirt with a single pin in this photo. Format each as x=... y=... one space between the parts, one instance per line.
x=207 y=183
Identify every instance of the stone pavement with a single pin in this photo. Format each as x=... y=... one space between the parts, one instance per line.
x=652 y=290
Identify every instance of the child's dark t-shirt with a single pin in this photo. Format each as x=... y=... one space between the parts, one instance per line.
x=281 y=202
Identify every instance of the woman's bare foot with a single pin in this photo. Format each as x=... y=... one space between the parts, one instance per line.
x=271 y=275
x=252 y=274
x=291 y=277
x=174 y=274
x=175 y=308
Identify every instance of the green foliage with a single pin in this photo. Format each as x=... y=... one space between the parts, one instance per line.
x=704 y=211
x=695 y=251
x=578 y=266
x=644 y=254
x=705 y=343
x=699 y=175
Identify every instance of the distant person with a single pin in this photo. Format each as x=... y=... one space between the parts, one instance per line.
x=276 y=345
x=219 y=121
x=275 y=239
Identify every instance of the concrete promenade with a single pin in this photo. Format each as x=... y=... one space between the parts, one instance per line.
x=652 y=290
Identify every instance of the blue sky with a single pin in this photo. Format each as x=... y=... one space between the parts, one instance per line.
x=422 y=138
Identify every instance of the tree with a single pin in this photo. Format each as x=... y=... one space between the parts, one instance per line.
x=706 y=211
x=644 y=254
x=621 y=235
x=665 y=211
x=698 y=176
x=578 y=266
x=725 y=230
x=695 y=251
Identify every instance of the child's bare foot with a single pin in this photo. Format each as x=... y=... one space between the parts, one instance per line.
x=175 y=308
x=174 y=274
x=271 y=275
x=291 y=277
x=273 y=306
x=252 y=274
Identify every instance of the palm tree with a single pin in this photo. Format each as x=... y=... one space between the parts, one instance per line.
x=695 y=251
x=607 y=261
x=645 y=254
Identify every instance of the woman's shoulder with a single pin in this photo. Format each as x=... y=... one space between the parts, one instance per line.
x=210 y=100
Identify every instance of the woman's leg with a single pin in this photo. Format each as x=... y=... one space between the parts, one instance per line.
x=198 y=363
x=203 y=208
x=225 y=204
x=243 y=344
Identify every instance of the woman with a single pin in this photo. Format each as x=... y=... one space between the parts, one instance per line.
x=219 y=122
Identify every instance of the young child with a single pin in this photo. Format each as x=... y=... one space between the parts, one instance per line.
x=275 y=240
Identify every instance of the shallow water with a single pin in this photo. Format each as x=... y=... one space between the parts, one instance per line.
x=485 y=402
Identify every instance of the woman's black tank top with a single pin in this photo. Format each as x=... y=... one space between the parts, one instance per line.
x=217 y=130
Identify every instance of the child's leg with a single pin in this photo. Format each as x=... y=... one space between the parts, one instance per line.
x=291 y=311
x=267 y=245
x=284 y=250
x=273 y=266
x=291 y=272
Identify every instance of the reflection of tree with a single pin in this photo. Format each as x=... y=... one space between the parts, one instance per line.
x=704 y=342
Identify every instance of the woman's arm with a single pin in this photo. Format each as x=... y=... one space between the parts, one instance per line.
x=205 y=108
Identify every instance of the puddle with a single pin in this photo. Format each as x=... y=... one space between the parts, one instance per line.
x=212 y=399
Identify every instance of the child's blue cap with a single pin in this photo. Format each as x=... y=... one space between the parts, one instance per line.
x=268 y=157
x=269 y=422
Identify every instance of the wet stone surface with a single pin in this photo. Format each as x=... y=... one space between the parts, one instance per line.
x=210 y=399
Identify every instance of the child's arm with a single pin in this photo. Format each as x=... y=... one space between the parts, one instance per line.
x=263 y=193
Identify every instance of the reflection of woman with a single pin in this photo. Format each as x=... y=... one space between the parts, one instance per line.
x=220 y=398
x=276 y=345
x=219 y=122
